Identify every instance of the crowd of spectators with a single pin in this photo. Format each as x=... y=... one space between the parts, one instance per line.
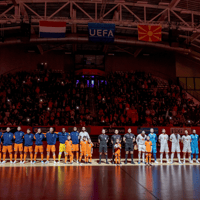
x=137 y=99
x=132 y=98
x=43 y=98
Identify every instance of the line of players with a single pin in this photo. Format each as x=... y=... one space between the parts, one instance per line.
x=69 y=144
x=148 y=145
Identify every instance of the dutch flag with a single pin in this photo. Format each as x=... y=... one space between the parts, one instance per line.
x=52 y=29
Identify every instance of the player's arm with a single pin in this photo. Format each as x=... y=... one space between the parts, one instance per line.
x=92 y=150
x=137 y=139
x=107 y=139
x=133 y=139
x=170 y=139
x=124 y=139
x=159 y=139
x=112 y=139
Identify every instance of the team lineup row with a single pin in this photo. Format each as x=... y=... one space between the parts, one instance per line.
x=70 y=142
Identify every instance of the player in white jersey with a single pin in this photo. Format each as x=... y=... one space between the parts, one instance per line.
x=175 y=139
x=84 y=133
x=186 y=139
x=141 y=138
x=163 y=139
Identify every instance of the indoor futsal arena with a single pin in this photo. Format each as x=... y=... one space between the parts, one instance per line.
x=99 y=99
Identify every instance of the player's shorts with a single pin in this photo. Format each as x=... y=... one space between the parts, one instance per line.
x=154 y=149
x=117 y=154
x=18 y=147
x=175 y=148
x=164 y=148
x=61 y=147
x=7 y=148
x=75 y=147
x=89 y=155
x=51 y=148
x=28 y=149
x=141 y=148
x=103 y=148
x=68 y=153
x=39 y=149
x=128 y=147
x=187 y=148
x=195 y=149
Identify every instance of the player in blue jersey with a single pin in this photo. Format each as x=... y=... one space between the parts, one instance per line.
x=62 y=138
x=153 y=139
x=75 y=142
x=18 y=146
x=51 y=141
x=194 y=145
x=7 y=144
x=28 y=145
x=39 y=137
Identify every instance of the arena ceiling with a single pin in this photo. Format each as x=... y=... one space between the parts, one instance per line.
x=179 y=17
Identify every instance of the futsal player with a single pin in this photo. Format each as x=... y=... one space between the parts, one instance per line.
x=68 y=150
x=83 y=149
x=18 y=146
x=39 y=137
x=153 y=139
x=186 y=139
x=28 y=145
x=51 y=141
x=148 y=145
x=84 y=133
x=89 y=150
x=103 y=140
x=117 y=148
x=141 y=138
x=163 y=139
x=62 y=138
x=194 y=145
x=175 y=139
x=75 y=142
x=113 y=141
x=7 y=144
x=129 y=139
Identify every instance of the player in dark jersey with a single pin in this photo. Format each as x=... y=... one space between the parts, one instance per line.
x=113 y=141
x=103 y=140
x=129 y=139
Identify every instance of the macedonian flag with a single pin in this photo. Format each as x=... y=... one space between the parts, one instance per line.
x=150 y=33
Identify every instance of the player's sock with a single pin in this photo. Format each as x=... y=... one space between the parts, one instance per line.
x=161 y=157
x=42 y=156
x=35 y=157
x=15 y=156
x=59 y=156
x=167 y=157
x=71 y=158
x=197 y=156
x=10 y=156
x=149 y=157
x=179 y=157
x=99 y=158
x=113 y=158
x=131 y=157
x=106 y=158
x=91 y=159
x=191 y=156
x=47 y=157
x=4 y=157
x=80 y=158
x=126 y=156
x=143 y=157
x=24 y=157
x=21 y=157
x=172 y=157
x=54 y=158
x=77 y=155
x=146 y=158
x=31 y=155
x=139 y=156
x=65 y=159
x=184 y=159
x=154 y=155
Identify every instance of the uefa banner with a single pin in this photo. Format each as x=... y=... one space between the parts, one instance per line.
x=99 y=32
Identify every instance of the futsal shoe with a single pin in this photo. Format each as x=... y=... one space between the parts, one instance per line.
x=11 y=162
x=21 y=162
x=80 y=164
x=156 y=162
x=197 y=161
x=125 y=162
x=132 y=162
x=4 y=162
x=71 y=163
x=120 y=164
x=42 y=162
x=54 y=162
x=160 y=162
x=115 y=164
x=191 y=161
x=171 y=162
x=150 y=164
x=184 y=162
x=107 y=162
x=99 y=162
x=31 y=162
x=15 y=162
x=34 y=162
x=168 y=162
x=86 y=163
x=58 y=161
x=139 y=162
x=180 y=162
x=47 y=162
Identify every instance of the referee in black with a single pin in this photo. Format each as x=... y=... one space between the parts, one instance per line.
x=129 y=139
x=113 y=141
x=103 y=140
